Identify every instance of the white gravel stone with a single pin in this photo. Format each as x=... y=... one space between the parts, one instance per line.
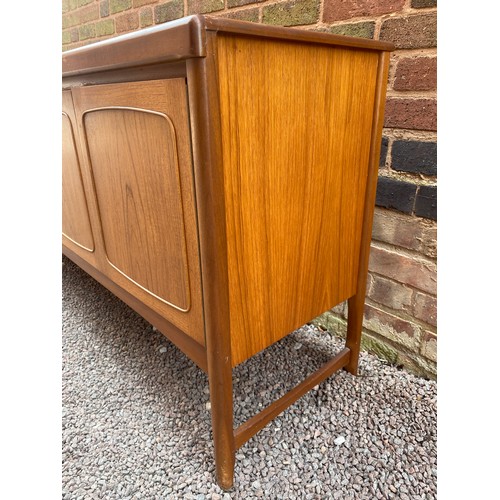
x=136 y=425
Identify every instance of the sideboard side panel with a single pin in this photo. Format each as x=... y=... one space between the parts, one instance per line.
x=296 y=124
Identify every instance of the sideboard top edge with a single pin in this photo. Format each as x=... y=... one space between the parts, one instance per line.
x=185 y=38
x=169 y=42
x=224 y=25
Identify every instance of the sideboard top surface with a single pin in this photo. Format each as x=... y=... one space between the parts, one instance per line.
x=185 y=39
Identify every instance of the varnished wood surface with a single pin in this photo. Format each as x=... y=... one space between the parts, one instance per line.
x=169 y=42
x=140 y=199
x=75 y=215
x=296 y=130
x=236 y=27
x=185 y=38
x=209 y=179
x=138 y=154
x=158 y=71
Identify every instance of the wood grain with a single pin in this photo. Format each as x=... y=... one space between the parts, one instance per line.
x=158 y=71
x=225 y=25
x=140 y=202
x=296 y=129
x=184 y=39
x=137 y=139
x=209 y=181
x=169 y=42
x=75 y=215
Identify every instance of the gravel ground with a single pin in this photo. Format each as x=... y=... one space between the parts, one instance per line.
x=136 y=419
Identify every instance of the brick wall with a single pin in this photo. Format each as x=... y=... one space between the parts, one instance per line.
x=400 y=315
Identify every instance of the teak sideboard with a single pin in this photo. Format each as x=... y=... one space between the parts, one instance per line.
x=219 y=177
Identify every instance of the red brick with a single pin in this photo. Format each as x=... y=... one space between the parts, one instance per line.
x=419 y=73
x=425 y=308
x=416 y=114
x=66 y=37
x=116 y=6
x=105 y=27
x=127 y=22
x=347 y=9
x=168 y=11
x=251 y=15
x=363 y=29
x=239 y=3
x=391 y=327
x=86 y=31
x=414 y=32
x=405 y=231
x=140 y=3
x=104 y=8
x=398 y=229
x=422 y=4
x=204 y=6
x=292 y=13
x=81 y=16
x=429 y=241
x=429 y=345
x=402 y=231
x=390 y=293
x=146 y=17
x=407 y=270
x=68 y=5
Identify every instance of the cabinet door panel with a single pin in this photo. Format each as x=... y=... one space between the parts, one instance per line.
x=138 y=152
x=140 y=202
x=75 y=216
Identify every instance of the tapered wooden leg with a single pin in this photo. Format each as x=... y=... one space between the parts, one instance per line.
x=355 y=309
x=221 y=399
x=203 y=88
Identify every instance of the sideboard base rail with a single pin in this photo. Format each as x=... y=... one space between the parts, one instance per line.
x=253 y=425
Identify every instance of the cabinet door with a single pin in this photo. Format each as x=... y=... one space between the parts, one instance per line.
x=76 y=229
x=138 y=152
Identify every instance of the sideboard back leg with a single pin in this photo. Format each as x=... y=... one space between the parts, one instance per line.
x=355 y=307
x=356 y=303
